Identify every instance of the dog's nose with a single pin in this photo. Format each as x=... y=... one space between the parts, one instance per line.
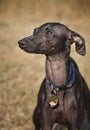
x=22 y=43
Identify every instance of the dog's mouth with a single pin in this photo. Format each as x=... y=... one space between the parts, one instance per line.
x=25 y=48
x=30 y=49
x=36 y=48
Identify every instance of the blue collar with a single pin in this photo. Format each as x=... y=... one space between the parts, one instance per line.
x=69 y=82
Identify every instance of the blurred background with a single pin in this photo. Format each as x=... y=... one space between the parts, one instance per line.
x=22 y=73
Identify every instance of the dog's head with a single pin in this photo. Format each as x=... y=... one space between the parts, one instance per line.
x=51 y=38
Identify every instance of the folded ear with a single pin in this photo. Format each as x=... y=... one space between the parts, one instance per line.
x=79 y=42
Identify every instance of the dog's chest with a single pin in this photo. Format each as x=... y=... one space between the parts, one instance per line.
x=67 y=105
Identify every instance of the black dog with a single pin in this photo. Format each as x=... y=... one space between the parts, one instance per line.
x=64 y=97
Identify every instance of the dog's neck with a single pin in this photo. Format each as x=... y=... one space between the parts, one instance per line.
x=56 y=68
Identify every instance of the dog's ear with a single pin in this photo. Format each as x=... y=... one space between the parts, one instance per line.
x=79 y=42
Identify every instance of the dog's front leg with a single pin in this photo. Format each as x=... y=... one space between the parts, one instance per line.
x=47 y=123
x=36 y=118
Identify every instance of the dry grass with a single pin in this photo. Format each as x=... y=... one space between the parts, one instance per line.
x=22 y=73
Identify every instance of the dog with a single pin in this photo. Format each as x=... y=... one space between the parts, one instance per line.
x=64 y=97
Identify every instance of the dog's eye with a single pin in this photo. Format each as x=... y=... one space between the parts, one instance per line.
x=48 y=33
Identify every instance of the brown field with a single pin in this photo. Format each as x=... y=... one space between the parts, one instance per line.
x=22 y=73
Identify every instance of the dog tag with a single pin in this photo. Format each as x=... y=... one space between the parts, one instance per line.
x=52 y=99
